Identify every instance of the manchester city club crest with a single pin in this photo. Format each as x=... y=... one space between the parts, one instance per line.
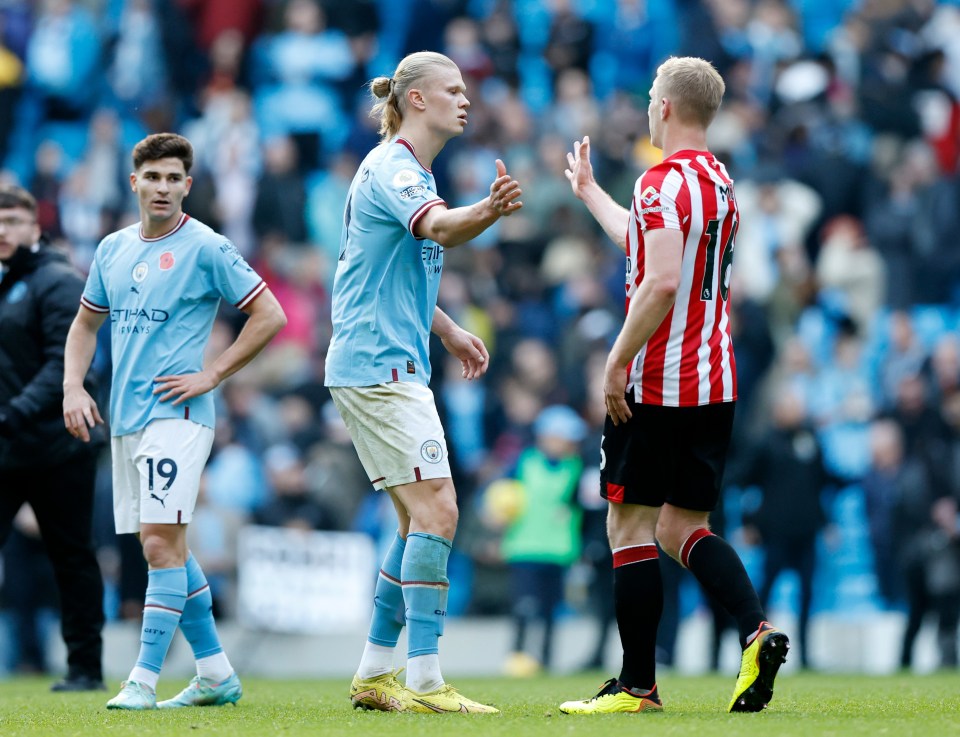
x=140 y=272
x=431 y=451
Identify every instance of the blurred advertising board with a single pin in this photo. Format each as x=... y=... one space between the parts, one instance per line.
x=304 y=582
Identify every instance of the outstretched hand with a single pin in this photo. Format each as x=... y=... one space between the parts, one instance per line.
x=580 y=173
x=504 y=192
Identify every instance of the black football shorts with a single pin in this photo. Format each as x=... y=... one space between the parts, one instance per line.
x=666 y=454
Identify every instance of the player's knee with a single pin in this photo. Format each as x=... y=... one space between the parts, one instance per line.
x=629 y=525
x=446 y=515
x=160 y=552
x=436 y=511
x=669 y=539
x=440 y=519
x=618 y=533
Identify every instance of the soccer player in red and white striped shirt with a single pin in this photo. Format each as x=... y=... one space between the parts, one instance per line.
x=670 y=389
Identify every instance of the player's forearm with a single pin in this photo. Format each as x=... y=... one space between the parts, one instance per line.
x=613 y=218
x=650 y=305
x=78 y=354
x=260 y=328
x=451 y=228
x=442 y=324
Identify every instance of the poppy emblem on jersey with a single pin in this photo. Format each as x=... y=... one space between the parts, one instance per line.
x=431 y=451
x=404 y=178
x=140 y=272
x=166 y=261
x=649 y=196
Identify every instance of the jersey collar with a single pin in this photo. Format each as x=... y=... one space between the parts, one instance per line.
x=183 y=219
x=404 y=142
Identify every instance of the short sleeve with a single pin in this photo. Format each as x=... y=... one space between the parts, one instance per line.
x=231 y=275
x=656 y=199
x=406 y=192
x=94 y=296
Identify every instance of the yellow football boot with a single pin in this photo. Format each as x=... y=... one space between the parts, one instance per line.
x=446 y=700
x=380 y=693
x=614 y=698
x=762 y=659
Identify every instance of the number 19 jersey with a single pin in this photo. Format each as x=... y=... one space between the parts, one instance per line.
x=162 y=295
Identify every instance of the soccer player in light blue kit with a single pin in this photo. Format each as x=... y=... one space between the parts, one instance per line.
x=160 y=282
x=378 y=366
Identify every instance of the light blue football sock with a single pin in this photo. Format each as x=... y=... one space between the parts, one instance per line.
x=388 y=607
x=166 y=595
x=425 y=587
x=197 y=622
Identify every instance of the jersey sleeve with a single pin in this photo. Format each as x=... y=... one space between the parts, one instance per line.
x=94 y=296
x=406 y=192
x=231 y=275
x=658 y=200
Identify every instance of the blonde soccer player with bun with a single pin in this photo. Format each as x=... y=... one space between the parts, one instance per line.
x=397 y=228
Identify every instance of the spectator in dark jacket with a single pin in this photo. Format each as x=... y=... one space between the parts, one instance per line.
x=40 y=463
x=281 y=196
x=915 y=533
x=292 y=504
x=787 y=466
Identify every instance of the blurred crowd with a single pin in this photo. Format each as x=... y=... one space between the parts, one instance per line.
x=841 y=127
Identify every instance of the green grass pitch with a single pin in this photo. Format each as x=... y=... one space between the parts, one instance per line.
x=805 y=704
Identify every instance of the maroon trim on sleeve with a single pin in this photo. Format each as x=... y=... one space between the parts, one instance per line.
x=93 y=306
x=421 y=211
x=251 y=295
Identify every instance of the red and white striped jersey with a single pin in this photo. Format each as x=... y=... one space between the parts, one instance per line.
x=688 y=360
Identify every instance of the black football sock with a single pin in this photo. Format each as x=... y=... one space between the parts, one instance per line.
x=638 y=597
x=720 y=571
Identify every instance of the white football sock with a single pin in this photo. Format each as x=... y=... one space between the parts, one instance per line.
x=423 y=673
x=215 y=667
x=375 y=661
x=144 y=676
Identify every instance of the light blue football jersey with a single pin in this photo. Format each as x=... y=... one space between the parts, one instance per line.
x=162 y=295
x=385 y=288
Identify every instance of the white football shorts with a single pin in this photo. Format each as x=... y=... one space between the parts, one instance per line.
x=156 y=473
x=396 y=431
